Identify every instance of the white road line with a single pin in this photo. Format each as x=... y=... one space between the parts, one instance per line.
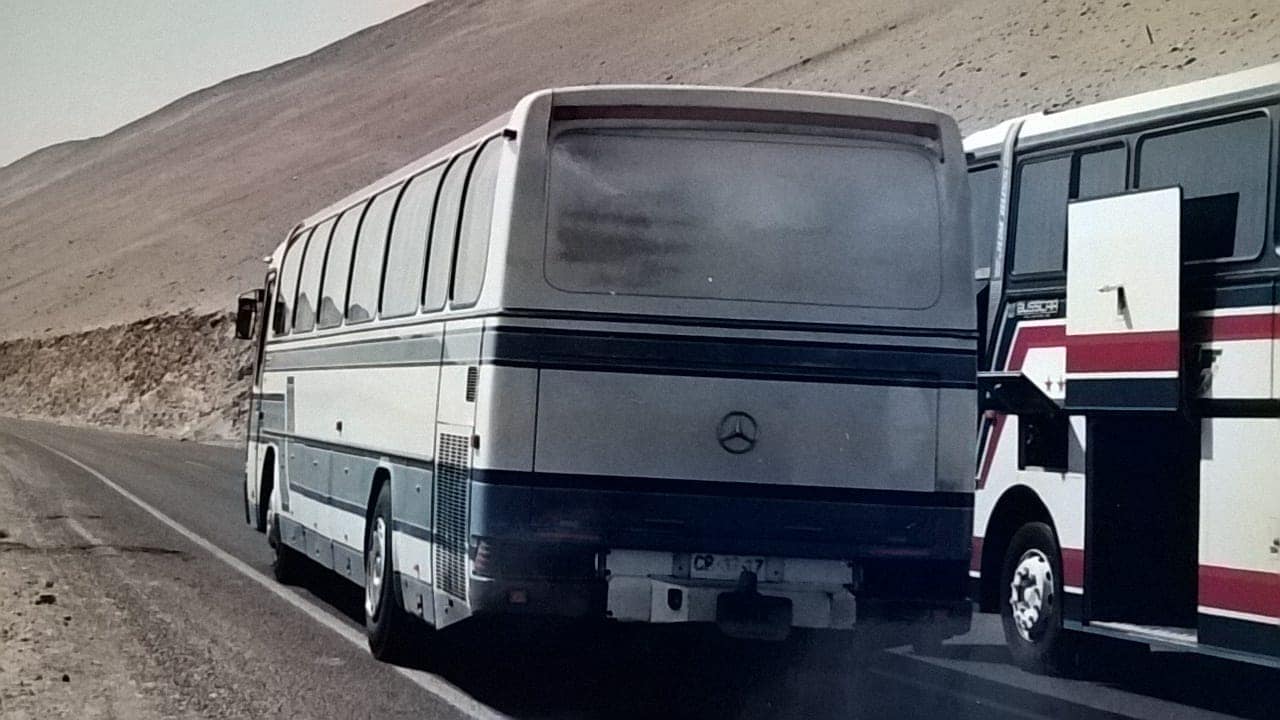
x=443 y=689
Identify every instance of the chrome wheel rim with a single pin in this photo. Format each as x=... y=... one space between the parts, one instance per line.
x=1032 y=594
x=375 y=565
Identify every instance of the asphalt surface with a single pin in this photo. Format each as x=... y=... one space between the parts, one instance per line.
x=243 y=646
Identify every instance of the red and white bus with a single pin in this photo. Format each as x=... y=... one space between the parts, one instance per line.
x=1129 y=447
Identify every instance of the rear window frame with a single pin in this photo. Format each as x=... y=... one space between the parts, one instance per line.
x=926 y=146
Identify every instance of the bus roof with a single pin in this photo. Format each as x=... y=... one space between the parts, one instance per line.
x=619 y=96
x=1259 y=83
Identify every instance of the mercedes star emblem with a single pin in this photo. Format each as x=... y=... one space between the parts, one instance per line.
x=737 y=432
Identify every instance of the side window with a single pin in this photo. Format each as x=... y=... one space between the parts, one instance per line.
x=477 y=219
x=337 y=268
x=288 y=286
x=371 y=246
x=984 y=206
x=444 y=231
x=1044 y=189
x=406 y=255
x=1222 y=169
x=1100 y=173
x=304 y=311
x=1041 y=229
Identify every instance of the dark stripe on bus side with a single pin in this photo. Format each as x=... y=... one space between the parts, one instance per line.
x=326 y=499
x=1241 y=635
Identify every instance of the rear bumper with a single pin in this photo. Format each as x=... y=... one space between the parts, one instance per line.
x=722 y=517
x=907 y=553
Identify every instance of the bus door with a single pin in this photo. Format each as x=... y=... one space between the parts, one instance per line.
x=262 y=318
x=1124 y=364
x=1124 y=273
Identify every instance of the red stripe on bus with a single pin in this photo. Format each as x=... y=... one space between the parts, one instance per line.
x=1072 y=567
x=989 y=457
x=1072 y=563
x=1246 y=591
x=1036 y=336
x=1024 y=338
x=1255 y=326
x=1123 y=352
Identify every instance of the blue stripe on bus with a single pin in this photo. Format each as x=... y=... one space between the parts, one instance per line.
x=739 y=358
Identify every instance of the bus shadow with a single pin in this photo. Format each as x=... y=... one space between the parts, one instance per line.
x=526 y=668
x=1203 y=682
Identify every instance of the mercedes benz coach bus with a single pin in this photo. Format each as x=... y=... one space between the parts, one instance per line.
x=654 y=354
x=1129 y=467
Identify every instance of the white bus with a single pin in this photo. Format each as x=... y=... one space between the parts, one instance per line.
x=1129 y=466
x=654 y=354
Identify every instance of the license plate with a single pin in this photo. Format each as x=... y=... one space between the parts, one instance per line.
x=724 y=567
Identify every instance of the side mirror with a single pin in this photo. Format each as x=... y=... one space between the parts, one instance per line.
x=246 y=311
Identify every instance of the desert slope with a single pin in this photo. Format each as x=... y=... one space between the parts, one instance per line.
x=174 y=211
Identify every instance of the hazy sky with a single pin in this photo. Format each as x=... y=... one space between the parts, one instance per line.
x=78 y=68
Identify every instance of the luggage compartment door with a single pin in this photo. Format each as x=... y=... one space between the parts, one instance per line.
x=1123 y=302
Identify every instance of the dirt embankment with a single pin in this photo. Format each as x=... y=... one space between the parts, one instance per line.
x=182 y=375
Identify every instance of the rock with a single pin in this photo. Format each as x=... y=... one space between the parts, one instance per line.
x=46 y=599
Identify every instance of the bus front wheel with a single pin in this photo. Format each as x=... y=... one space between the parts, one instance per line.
x=1031 y=601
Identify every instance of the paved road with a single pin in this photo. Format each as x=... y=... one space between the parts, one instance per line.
x=226 y=631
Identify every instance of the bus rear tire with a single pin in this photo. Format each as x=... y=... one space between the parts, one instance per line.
x=1031 y=602
x=389 y=628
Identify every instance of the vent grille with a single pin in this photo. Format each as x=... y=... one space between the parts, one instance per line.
x=453 y=476
x=473 y=377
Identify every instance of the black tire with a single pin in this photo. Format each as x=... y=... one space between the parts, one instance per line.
x=1046 y=648
x=392 y=632
x=248 y=517
x=289 y=565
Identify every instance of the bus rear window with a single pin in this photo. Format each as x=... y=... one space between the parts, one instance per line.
x=753 y=216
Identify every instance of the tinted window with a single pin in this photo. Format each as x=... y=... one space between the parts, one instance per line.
x=371 y=245
x=288 y=287
x=337 y=268
x=402 y=285
x=984 y=210
x=1041 y=230
x=444 y=231
x=1223 y=173
x=304 y=314
x=1044 y=189
x=1100 y=173
x=477 y=218
x=761 y=216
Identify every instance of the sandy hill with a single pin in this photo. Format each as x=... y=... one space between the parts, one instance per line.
x=175 y=210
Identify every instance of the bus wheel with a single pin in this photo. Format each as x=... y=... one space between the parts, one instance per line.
x=389 y=628
x=1031 y=601
x=288 y=563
